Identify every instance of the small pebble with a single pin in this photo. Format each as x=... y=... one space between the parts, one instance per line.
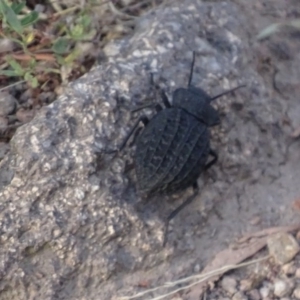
x=264 y=292
x=283 y=247
x=229 y=285
x=40 y=8
x=246 y=285
x=239 y=296
x=254 y=295
x=289 y=269
x=6 y=45
x=4 y=149
x=197 y=268
x=255 y=221
x=297 y=292
x=25 y=96
x=282 y=288
x=7 y=104
x=25 y=116
x=297 y=273
x=3 y=123
x=250 y=283
x=47 y=97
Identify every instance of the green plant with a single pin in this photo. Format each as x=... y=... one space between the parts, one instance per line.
x=15 y=26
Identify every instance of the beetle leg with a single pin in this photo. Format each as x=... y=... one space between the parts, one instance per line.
x=175 y=212
x=137 y=132
x=184 y=204
x=165 y=98
x=162 y=92
x=142 y=119
x=213 y=161
x=142 y=107
x=158 y=107
x=226 y=92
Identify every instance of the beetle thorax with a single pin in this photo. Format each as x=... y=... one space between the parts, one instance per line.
x=197 y=103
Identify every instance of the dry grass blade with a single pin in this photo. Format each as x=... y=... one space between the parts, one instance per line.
x=118 y=12
x=267 y=232
x=269 y=31
x=199 y=278
x=276 y=27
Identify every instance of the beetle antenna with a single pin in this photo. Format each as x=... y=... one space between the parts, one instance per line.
x=192 y=69
x=226 y=92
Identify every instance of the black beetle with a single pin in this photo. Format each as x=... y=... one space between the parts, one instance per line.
x=173 y=148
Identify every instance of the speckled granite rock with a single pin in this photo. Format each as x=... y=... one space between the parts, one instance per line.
x=71 y=224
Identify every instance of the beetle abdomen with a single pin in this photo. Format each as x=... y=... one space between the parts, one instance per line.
x=171 y=152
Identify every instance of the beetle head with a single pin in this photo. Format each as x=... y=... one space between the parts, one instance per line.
x=197 y=102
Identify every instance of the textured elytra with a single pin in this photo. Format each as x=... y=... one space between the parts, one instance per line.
x=173 y=149
x=171 y=152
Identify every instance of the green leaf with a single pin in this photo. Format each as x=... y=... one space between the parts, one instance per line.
x=80 y=30
x=15 y=65
x=60 y=60
x=77 y=32
x=9 y=73
x=10 y=17
x=72 y=56
x=268 y=31
x=17 y=7
x=30 y=19
x=32 y=63
x=32 y=80
x=90 y=34
x=61 y=46
x=86 y=21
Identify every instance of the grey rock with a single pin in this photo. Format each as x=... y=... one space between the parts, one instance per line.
x=71 y=224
